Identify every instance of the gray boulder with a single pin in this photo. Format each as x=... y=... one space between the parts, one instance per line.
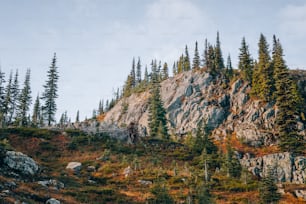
x=74 y=166
x=20 y=162
x=53 y=201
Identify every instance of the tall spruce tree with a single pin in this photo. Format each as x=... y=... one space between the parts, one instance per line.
x=205 y=54
x=157 y=114
x=8 y=98
x=196 y=58
x=77 y=118
x=133 y=73
x=229 y=69
x=180 y=64
x=24 y=102
x=219 y=62
x=36 y=116
x=2 y=98
x=211 y=66
x=245 y=62
x=165 y=73
x=146 y=76
x=174 y=69
x=263 y=82
x=50 y=93
x=138 y=71
x=268 y=190
x=186 y=61
x=14 y=97
x=288 y=102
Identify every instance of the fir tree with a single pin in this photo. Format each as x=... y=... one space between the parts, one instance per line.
x=211 y=66
x=219 y=63
x=229 y=69
x=180 y=64
x=138 y=71
x=101 y=107
x=288 y=102
x=8 y=99
x=205 y=54
x=14 y=97
x=157 y=114
x=24 y=102
x=77 y=118
x=263 y=82
x=196 y=58
x=268 y=190
x=36 y=112
x=2 y=98
x=165 y=74
x=245 y=62
x=174 y=69
x=128 y=86
x=133 y=74
x=50 y=93
x=146 y=76
x=186 y=61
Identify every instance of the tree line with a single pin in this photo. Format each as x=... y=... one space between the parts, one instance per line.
x=16 y=100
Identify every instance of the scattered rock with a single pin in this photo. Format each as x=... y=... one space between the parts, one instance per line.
x=75 y=166
x=144 y=182
x=20 y=162
x=53 y=201
x=52 y=184
x=91 y=168
x=127 y=171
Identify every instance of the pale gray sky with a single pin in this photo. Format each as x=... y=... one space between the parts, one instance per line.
x=95 y=40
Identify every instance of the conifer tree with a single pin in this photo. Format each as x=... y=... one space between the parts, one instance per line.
x=157 y=114
x=268 y=190
x=2 y=98
x=186 y=62
x=128 y=86
x=245 y=62
x=101 y=107
x=50 y=93
x=205 y=54
x=165 y=74
x=77 y=118
x=196 y=58
x=14 y=97
x=229 y=69
x=219 y=62
x=36 y=112
x=211 y=65
x=146 y=76
x=288 y=103
x=180 y=64
x=138 y=71
x=263 y=85
x=24 y=102
x=8 y=98
x=133 y=74
x=174 y=69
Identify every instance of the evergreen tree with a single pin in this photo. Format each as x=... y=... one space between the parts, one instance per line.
x=268 y=190
x=138 y=71
x=146 y=76
x=180 y=64
x=24 y=102
x=128 y=86
x=245 y=62
x=288 y=103
x=101 y=107
x=174 y=69
x=133 y=74
x=157 y=114
x=211 y=66
x=165 y=74
x=186 y=62
x=50 y=93
x=36 y=112
x=14 y=97
x=232 y=165
x=263 y=84
x=219 y=62
x=229 y=69
x=2 y=98
x=205 y=54
x=203 y=195
x=8 y=99
x=196 y=58
x=77 y=118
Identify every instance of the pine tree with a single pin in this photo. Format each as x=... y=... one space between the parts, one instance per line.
x=180 y=64
x=77 y=118
x=2 y=98
x=263 y=84
x=50 y=93
x=36 y=112
x=229 y=69
x=133 y=74
x=24 y=102
x=128 y=86
x=165 y=74
x=245 y=62
x=203 y=195
x=157 y=114
x=14 y=97
x=288 y=102
x=138 y=71
x=8 y=99
x=268 y=190
x=211 y=66
x=196 y=58
x=219 y=62
x=146 y=76
x=174 y=69
x=101 y=107
x=205 y=54
x=186 y=62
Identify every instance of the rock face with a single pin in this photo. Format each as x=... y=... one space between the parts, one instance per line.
x=21 y=163
x=53 y=201
x=286 y=167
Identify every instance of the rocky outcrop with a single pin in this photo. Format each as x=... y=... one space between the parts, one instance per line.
x=53 y=201
x=285 y=166
x=21 y=163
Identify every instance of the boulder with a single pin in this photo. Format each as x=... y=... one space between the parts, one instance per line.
x=127 y=171
x=74 y=166
x=300 y=194
x=21 y=163
x=53 y=201
x=52 y=183
x=144 y=182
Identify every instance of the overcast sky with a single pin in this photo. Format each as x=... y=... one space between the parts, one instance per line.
x=95 y=40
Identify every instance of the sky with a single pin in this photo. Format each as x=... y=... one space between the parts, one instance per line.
x=96 y=40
